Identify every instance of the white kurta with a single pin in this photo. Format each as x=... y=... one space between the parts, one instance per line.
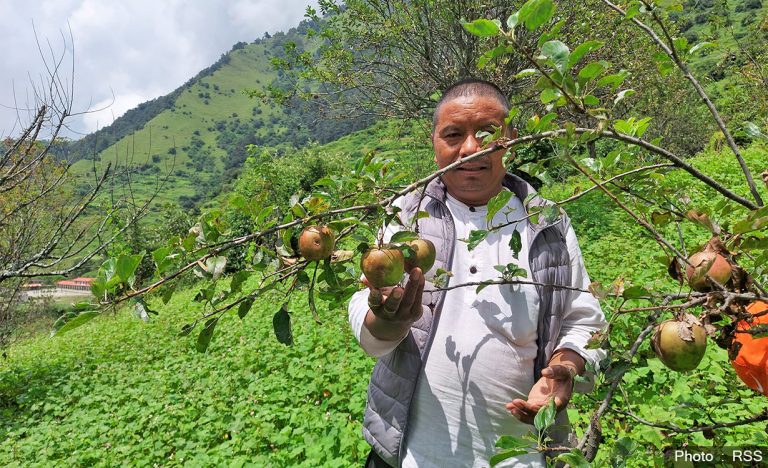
x=484 y=347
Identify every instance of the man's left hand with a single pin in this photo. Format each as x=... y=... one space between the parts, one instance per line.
x=556 y=382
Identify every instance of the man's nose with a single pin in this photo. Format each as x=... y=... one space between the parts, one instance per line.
x=470 y=146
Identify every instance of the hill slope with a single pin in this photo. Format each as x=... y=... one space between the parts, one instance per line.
x=198 y=135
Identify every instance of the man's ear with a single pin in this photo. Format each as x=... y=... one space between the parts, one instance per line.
x=432 y=141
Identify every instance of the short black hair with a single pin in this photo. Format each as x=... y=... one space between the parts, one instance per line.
x=470 y=87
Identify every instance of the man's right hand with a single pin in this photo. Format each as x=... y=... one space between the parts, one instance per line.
x=393 y=310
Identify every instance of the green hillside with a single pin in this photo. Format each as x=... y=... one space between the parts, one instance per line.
x=196 y=138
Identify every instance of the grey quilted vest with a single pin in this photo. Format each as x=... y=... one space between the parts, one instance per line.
x=395 y=375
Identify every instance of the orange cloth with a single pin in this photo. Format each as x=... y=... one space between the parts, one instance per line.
x=751 y=364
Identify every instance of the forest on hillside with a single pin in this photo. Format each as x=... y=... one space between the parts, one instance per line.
x=212 y=335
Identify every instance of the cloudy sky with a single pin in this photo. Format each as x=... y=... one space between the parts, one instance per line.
x=123 y=52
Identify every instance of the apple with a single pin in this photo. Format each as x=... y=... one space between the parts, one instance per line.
x=719 y=270
x=383 y=267
x=316 y=243
x=421 y=254
x=675 y=352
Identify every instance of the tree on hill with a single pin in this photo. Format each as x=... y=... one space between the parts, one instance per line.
x=51 y=224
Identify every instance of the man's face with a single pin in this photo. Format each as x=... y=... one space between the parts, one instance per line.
x=458 y=121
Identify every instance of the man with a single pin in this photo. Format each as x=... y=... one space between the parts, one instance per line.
x=458 y=368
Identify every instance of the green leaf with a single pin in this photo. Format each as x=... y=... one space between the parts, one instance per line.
x=559 y=54
x=126 y=267
x=701 y=46
x=549 y=95
x=545 y=417
x=482 y=286
x=492 y=54
x=591 y=71
x=264 y=214
x=160 y=257
x=574 y=458
x=98 y=287
x=516 y=243
x=582 y=50
x=475 y=237
x=750 y=224
x=403 y=236
x=635 y=292
x=168 y=291
x=204 y=338
x=482 y=27
x=550 y=213
x=78 y=321
x=612 y=80
x=513 y=20
x=281 y=323
x=633 y=10
x=663 y=63
x=623 y=94
x=512 y=442
x=543 y=124
x=330 y=276
x=187 y=329
x=534 y=13
x=244 y=308
x=525 y=73
x=497 y=203
x=236 y=285
x=591 y=100
x=503 y=455
x=215 y=266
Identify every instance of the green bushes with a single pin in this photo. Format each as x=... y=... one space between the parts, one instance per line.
x=119 y=391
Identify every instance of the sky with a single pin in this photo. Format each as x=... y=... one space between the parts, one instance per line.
x=117 y=54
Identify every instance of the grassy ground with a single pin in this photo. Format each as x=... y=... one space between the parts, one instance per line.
x=119 y=391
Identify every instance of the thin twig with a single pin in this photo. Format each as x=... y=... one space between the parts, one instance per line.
x=670 y=51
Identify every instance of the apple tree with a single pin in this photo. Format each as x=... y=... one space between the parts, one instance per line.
x=706 y=233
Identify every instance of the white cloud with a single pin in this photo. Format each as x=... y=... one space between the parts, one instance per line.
x=137 y=50
x=104 y=112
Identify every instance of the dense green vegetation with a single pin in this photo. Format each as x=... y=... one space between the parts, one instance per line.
x=120 y=390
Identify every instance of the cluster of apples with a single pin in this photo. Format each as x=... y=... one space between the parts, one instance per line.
x=681 y=344
x=386 y=266
x=383 y=266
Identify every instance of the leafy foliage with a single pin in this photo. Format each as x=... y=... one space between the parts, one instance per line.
x=118 y=389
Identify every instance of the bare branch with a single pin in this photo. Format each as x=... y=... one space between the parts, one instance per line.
x=669 y=49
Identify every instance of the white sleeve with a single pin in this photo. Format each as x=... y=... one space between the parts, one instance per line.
x=358 y=309
x=583 y=317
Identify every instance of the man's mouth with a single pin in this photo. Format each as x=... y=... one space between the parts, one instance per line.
x=469 y=168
